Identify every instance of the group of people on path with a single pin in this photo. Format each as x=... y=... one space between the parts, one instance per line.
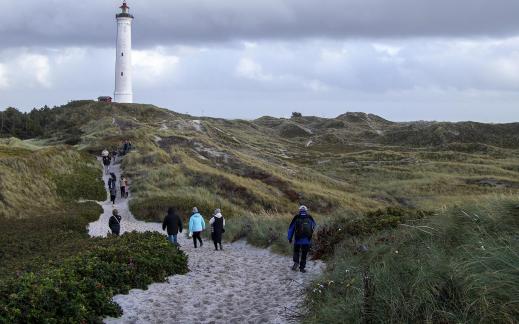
x=173 y=224
x=300 y=230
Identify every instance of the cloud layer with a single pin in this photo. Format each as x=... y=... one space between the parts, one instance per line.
x=159 y=22
x=403 y=59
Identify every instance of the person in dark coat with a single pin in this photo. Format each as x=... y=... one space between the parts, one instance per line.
x=115 y=222
x=173 y=223
x=302 y=228
x=217 y=228
x=113 y=195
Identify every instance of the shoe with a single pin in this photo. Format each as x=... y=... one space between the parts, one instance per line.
x=201 y=244
x=302 y=270
x=294 y=267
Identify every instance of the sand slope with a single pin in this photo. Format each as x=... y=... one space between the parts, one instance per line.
x=241 y=284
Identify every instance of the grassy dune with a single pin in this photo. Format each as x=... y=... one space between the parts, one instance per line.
x=415 y=188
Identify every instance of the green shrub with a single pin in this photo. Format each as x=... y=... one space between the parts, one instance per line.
x=82 y=287
x=83 y=183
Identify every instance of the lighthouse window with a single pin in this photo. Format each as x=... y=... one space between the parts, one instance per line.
x=122 y=73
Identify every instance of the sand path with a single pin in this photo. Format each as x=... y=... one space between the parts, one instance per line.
x=241 y=284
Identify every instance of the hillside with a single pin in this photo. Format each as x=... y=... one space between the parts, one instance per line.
x=358 y=173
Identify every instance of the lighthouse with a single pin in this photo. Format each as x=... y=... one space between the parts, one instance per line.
x=123 y=60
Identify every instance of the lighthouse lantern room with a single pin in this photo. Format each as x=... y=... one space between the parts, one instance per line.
x=123 y=59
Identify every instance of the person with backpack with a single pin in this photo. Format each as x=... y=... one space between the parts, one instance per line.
x=173 y=223
x=115 y=222
x=217 y=228
x=196 y=226
x=302 y=228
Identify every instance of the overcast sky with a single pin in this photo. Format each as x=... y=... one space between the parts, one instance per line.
x=402 y=59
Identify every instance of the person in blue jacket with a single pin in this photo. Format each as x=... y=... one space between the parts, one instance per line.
x=301 y=228
x=196 y=226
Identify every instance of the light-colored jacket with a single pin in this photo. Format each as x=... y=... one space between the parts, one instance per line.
x=196 y=223
x=219 y=215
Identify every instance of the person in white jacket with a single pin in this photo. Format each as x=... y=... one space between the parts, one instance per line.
x=217 y=228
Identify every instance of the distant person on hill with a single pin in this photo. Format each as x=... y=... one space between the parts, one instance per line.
x=173 y=223
x=123 y=183
x=115 y=222
x=106 y=161
x=302 y=227
x=113 y=195
x=126 y=147
x=112 y=180
x=114 y=154
x=217 y=228
x=196 y=226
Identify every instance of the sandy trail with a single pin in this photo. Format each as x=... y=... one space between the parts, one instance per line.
x=241 y=284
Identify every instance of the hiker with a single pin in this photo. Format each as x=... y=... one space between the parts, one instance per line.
x=123 y=183
x=113 y=194
x=114 y=154
x=115 y=222
x=106 y=161
x=126 y=147
x=217 y=228
x=112 y=181
x=302 y=227
x=173 y=223
x=196 y=226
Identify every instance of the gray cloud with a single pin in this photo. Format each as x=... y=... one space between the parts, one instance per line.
x=77 y=23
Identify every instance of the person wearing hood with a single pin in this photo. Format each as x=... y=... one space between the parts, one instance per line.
x=302 y=228
x=173 y=223
x=196 y=226
x=217 y=228
x=115 y=222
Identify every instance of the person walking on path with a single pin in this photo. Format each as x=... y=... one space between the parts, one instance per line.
x=123 y=183
x=106 y=160
x=217 y=228
x=115 y=222
x=113 y=194
x=302 y=227
x=196 y=226
x=173 y=223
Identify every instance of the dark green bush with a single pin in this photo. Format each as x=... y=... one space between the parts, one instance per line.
x=82 y=287
x=349 y=224
x=83 y=183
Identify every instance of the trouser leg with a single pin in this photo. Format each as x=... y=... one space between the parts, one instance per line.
x=304 y=253
x=194 y=240
x=215 y=245
x=297 y=249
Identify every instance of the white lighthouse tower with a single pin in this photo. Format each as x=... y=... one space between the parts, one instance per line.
x=123 y=61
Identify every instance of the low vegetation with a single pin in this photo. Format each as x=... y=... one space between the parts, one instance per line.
x=417 y=218
x=458 y=266
x=80 y=288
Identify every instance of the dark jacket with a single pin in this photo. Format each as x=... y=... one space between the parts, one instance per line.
x=173 y=223
x=292 y=229
x=115 y=224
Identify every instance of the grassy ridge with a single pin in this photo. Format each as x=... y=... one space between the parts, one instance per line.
x=459 y=266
